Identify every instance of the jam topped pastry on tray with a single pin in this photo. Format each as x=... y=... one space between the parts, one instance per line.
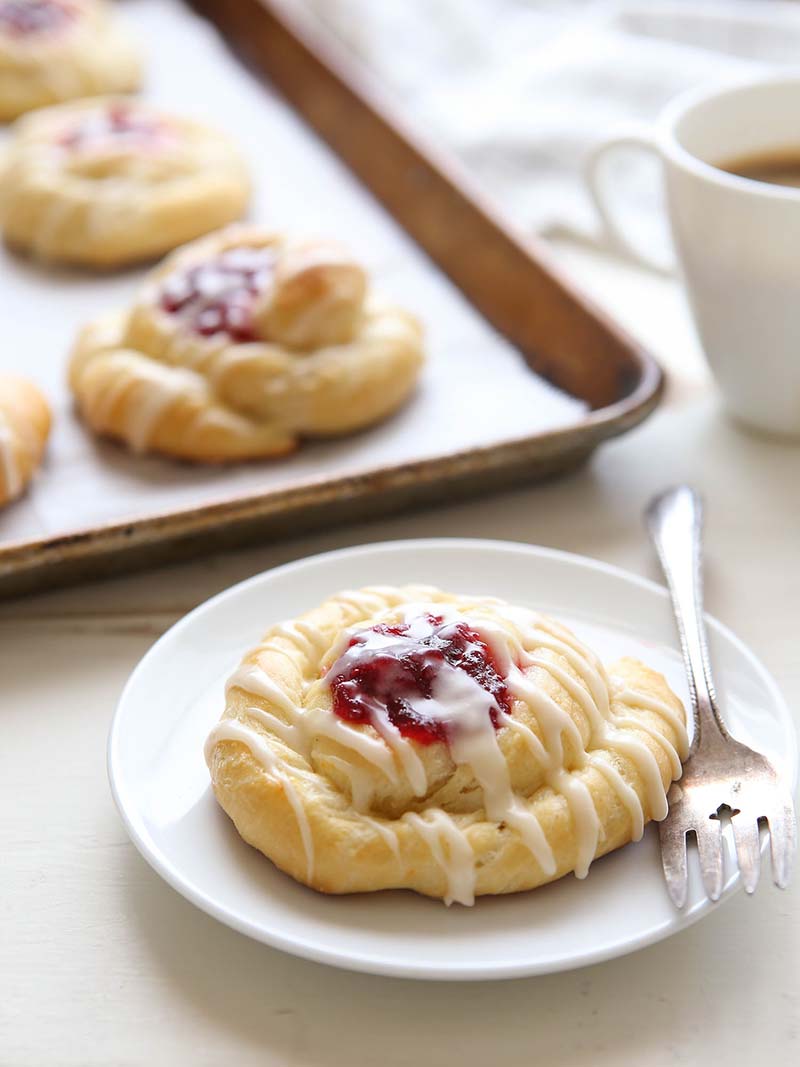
x=55 y=50
x=24 y=429
x=241 y=344
x=111 y=181
x=34 y=18
x=116 y=126
x=456 y=746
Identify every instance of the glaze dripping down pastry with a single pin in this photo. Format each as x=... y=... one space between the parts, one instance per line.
x=455 y=746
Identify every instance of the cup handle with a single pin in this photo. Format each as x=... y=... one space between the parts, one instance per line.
x=640 y=138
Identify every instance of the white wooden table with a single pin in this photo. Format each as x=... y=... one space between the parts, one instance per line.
x=102 y=963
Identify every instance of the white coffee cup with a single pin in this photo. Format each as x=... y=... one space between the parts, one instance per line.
x=737 y=240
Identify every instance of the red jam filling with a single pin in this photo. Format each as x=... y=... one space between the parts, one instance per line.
x=395 y=668
x=27 y=18
x=118 y=124
x=218 y=296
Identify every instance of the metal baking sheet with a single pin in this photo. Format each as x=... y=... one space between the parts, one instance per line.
x=480 y=416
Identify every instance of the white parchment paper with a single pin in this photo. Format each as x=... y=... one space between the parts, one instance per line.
x=476 y=389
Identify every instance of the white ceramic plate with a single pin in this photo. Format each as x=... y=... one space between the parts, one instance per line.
x=161 y=786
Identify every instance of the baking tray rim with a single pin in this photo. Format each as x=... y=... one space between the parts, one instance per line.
x=564 y=442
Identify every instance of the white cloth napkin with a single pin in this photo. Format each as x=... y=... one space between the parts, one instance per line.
x=521 y=89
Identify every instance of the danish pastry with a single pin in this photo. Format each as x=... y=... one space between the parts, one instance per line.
x=24 y=429
x=54 y=50
x=239 y=345
x=107 y=182
x=455 y=746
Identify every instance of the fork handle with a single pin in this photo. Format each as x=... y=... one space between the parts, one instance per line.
x=675 y=523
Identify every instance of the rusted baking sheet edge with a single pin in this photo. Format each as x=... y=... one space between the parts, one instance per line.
x=511 y=280
x=32 y=566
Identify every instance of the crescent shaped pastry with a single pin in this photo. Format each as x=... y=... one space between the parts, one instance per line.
x=455 y=746
x=242 y=343
x=24 y=429
x=54 y=50
x=112 y=181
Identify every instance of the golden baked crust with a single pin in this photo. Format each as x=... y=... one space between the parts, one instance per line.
x=579 y=761
x=54 y=50
x=112 y=181
x=240 y=344
x=24 y=429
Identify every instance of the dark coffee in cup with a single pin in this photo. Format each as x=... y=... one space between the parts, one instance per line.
x=777 y=167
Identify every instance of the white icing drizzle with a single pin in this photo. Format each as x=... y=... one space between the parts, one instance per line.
x=451 y=850
x=360 y=782
x=105 y=399
x=626 y=793
x=403 y=749
x=289 y=732
x=553 y=720
x=584 y=664
x=157 y=387
x=647 y=766
x=363 y=602
x=412 y=765
x=459 y=702
x=303 y=636
x=319 y=722
x=533 y=743
x=387 y=832
x=584 y=814
x=311 y=722
x=634 y=699
x=143 y=417
x=594 y=700
x=577 y=691
x=657 y=736
x=233 y=730
x=251 y=678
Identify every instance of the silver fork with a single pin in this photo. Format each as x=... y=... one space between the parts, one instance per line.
x=722 y=778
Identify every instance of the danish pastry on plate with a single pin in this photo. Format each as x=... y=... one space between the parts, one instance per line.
x=24 y=429
x=456 y=746
x=54 y=50
x=242 y=343
x=112 y=181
